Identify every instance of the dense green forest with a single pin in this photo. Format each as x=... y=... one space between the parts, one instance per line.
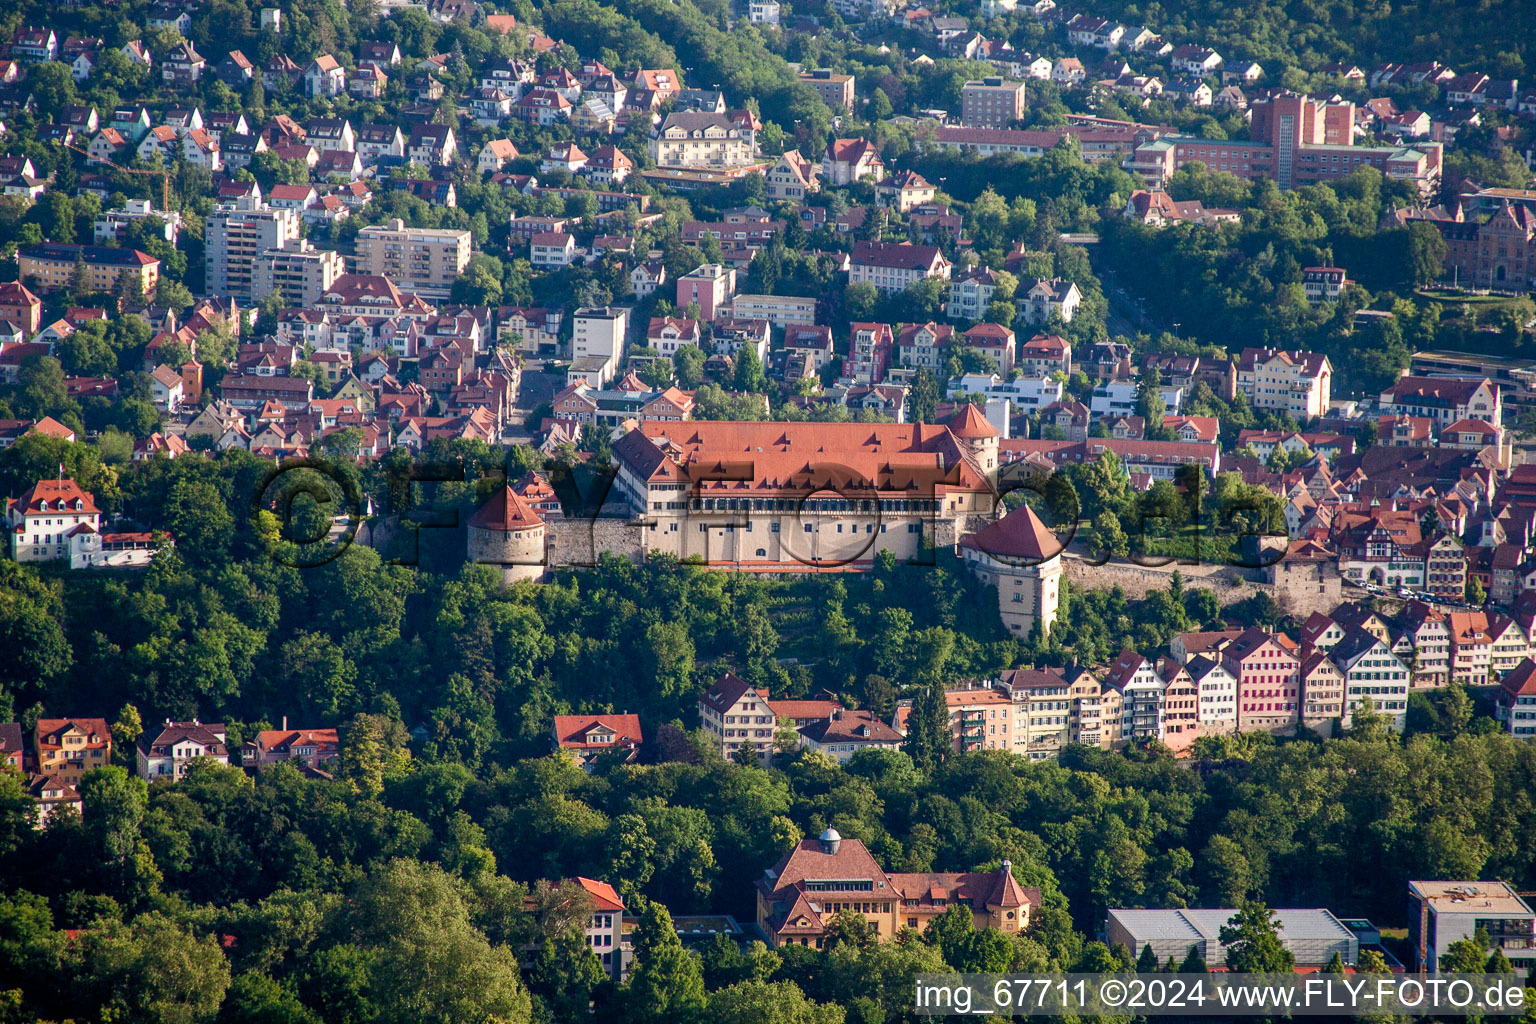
x=407 y=887
x=1314 y=32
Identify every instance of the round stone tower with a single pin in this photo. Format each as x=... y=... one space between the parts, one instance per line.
x=506 y=532
x=978 y=435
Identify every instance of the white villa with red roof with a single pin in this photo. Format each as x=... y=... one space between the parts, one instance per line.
x=56 y=520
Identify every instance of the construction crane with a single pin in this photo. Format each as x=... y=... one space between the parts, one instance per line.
x=163 y=175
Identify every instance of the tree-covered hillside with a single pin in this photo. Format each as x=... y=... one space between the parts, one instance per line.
x=1486 y=35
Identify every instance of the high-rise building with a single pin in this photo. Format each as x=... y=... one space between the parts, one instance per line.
x=421 y=260
x=236 y=233
x=992 y=102
x=300 y=272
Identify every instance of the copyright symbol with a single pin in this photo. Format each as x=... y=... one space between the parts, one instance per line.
x=318 y=508
x=1112 y=993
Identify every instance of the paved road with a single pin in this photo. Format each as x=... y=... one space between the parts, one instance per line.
x=1126 y=313
x=536 y=388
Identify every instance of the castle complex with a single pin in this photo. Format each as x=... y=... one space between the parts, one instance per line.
x=797 y=497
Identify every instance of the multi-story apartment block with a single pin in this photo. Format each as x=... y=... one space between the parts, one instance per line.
x=1471 y=647
x=922 y=346
x=894 y=267
x=997 y=342
x=597 y=339
x=1298 y=383
x=1181 y=705
x=821 y=877
x=835 y=89
x=1445 y=568
x=1509 y=646
x=67 y=748
x=1045 y=354
x=738 y=715
x=991 y=102
x=1444 y=400
x=1295 y=141
x=1427 y=631
x=703 y=141
x=1141 y=692
x=112 y=225
x=1446 y=912
x=1266 y=671
x=1215 y=695
x=1371 y=671
x=970 y=292
x=301 y=273
x=980 y=718
x=1043 y=711
x=236 y=234
x=1516 y=701
x=1322 y=691
x=870 y=352
x=422 y=260
x=782 y=311
x=51 y=266
x=710 y=285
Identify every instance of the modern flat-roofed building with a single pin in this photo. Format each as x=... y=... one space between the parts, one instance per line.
x=1294 y=141
x=300 y=272
x=781 y=311
x=835 y=90
x=710 y=285
x=991 y=102
x=1312 y=936
x=237 y=233
x=598 y=338
x=421 y=260
x=1447 y=912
